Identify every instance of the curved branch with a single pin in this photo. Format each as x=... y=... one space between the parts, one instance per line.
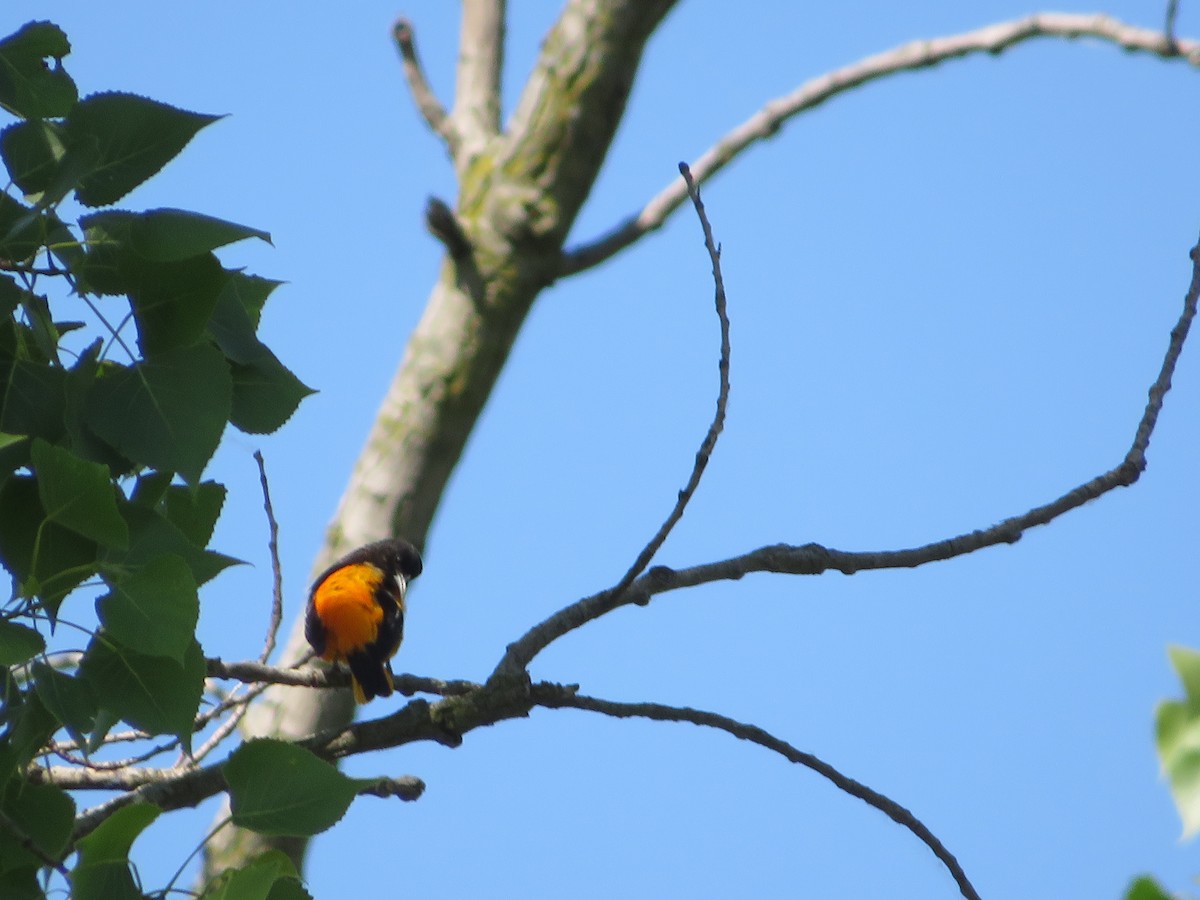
x=756 y=735
x=427 y=102
x=767 y=121
x=276 y=572
x=814 y=559
x=718 y=423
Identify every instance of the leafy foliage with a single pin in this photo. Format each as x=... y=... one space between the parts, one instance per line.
x=126 y=348
x=270 y=877
x=1146 y=888
x=281 y=789
x=1178 y=736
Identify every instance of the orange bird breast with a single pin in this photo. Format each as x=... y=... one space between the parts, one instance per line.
x=345 y=602
x=355 y=612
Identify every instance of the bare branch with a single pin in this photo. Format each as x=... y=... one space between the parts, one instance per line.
x=718 y=422
x=993 y=39
x=756 y=735
x=476 y=114
x=239 y=705
x=1169 y=24
x=443 y=225
x=406 y=788
x=814 y=559
x=256 y=673
x=276 y=572
x=427 y=102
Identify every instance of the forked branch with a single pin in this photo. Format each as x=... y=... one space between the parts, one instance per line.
x=814 y=559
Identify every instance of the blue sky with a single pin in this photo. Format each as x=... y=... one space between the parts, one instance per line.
x=948 y=292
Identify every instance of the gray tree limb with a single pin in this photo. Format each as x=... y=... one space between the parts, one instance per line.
x=765 y=123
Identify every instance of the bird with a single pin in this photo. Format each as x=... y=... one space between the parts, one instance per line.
x=356 y=611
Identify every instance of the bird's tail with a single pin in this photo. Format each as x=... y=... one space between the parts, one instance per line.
x=372 y=677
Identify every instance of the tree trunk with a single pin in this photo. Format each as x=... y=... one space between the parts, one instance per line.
x=519 y=192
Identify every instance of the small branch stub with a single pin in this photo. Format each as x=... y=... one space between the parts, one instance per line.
x=443 y=225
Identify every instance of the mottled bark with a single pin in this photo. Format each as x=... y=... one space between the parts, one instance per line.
x=519 y=192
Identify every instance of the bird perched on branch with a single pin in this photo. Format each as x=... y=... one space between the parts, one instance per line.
x=356 y=612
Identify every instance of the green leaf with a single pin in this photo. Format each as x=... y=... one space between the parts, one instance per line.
x=112 y=838
x=106 y=721
x=14 y=454
x=84 y=442
x=154 y=609
x=252 y=292
x=170 y=235
x=1187 y=665
x=102 y=872
x=167 y=413
x=33 y=151
x=21 y=884
x=32 y=725
x=64 y=558
x=265 y=394
x=104 y=881
x=78 y=495
x=154 y=693
x=44 y=813
x=21 y=233
x=1177 y=732
x=173 y=297
x=41 y=325
x=32 y=396
x=152 y=536
x=28 y=86
x=106 y=240
x=18 y=643
x=172 y=301
x=10 y=296
x=254 y=881
x=231 y=326
x=150 y=488
x=135 y=138
x=235 y=319
x=288 y=889
x=1146 y=888
x=69 y=699
x=194 y=510
x=280 y=789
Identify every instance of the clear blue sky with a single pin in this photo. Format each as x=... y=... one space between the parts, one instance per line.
x=949 y=293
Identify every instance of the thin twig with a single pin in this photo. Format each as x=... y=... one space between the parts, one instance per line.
x=427 y=102
x=406 y=787
x=227 y=727
x=241 y=704
x=119 y=737
x=993 y=39
x=1169 y=25
x=110 y=765
x=756 y=735
x=718 y=422
x=276 y=571
x=814 y=559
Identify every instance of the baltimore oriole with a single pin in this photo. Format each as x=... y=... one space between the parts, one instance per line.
x=356 y=612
